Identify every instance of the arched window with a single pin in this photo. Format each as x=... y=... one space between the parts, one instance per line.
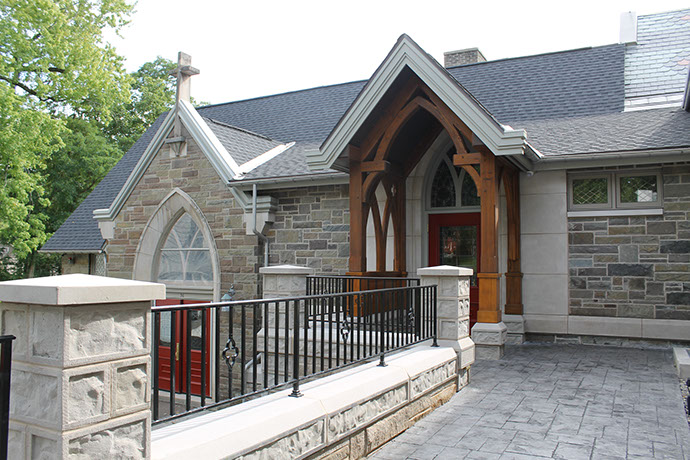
x=451 y=186
x=185 y=257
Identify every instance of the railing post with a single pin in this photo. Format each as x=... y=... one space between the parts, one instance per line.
x=81 y=366
x=452 y=312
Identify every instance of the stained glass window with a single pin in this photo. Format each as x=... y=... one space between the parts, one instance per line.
x=443 y=187
x=469 y=191
x=185 y=258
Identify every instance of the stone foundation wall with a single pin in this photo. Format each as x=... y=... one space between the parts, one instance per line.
x=634 y=267
x=312 y=228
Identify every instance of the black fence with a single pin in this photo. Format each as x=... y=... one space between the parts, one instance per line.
x=208 y=356
x=320 y=284
x=5 y=371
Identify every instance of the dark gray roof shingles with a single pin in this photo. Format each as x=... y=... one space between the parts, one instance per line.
x=243 y=145
x=618 y=132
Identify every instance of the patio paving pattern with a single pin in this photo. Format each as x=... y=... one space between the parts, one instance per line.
x=557 y=401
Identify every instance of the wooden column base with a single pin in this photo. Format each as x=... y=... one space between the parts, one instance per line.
x=513 y=293
x=489 y=311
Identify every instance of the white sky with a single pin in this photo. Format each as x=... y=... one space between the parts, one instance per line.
x=253 y=48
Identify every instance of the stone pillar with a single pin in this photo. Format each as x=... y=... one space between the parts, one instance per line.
x=284 y=281
x=453 y=304
x=490 y=339
x=80 y=366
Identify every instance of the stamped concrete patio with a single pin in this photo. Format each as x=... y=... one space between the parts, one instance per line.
x=558 y=401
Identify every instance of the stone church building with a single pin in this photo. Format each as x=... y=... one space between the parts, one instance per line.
x=561 y=179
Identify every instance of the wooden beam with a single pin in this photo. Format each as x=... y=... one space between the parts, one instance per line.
x=401 y=99
x=462 y=159
x=358 y=214
x=489 y=310
x=514 y=272
x=376 y=166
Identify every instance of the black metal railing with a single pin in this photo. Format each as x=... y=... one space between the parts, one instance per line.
x=241 y=349
x=5 y=372
x=336 y=284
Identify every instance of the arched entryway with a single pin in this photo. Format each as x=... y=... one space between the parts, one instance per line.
x=386 y=150
x=453 y=217
x=178 y=250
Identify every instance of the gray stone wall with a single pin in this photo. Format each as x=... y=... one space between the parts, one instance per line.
x=238 y=253
x=312 y=228
x=634 y=267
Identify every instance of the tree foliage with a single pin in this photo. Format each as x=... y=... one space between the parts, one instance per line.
x=152 y=93
x=54 y=67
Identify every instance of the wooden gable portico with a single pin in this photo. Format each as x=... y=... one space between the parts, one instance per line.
x=409 y=101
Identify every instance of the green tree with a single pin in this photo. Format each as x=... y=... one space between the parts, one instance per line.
x=152 y=93
x=54 y=64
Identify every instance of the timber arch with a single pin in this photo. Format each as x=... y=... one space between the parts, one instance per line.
x=383 y=153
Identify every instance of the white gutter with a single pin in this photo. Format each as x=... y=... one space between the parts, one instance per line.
x=307 y=180
x=575 y=160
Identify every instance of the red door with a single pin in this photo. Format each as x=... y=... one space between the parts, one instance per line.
x=454 y=240
x=178 y=343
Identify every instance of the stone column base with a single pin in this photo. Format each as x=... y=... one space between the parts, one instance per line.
x=489 y=340
x=516 y=329
x=465 y=348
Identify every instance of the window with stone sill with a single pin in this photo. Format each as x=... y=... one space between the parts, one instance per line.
x=615 y=191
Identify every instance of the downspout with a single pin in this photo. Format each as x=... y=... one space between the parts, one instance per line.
x=262 y=237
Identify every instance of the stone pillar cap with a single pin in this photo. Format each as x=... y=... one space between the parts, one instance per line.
x=286 y=270
x=79 y=289
x=444 y=270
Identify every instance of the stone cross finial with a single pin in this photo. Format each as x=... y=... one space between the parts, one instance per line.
x=183 y=72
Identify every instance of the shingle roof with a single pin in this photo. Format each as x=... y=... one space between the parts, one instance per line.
x=617 y=132
x=658 y=63
x=300 y=116
x=569 y=102
x=555 y=85
x=243 y=145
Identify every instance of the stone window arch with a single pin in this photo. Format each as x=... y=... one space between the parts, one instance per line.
x=177 y=248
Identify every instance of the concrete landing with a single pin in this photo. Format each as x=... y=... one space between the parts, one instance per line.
x=557 y=401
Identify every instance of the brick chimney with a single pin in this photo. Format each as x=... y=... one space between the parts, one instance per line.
x=462 y=57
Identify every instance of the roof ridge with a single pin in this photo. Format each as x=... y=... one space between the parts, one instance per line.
x=283 y=93
x=548 y=53
x=236 y=128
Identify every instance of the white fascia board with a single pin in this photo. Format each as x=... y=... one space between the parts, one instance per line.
x=226 y=167
x=597 y=160
x=291 y=182
x=500 y=139
x=264 y=157
x=138 y=171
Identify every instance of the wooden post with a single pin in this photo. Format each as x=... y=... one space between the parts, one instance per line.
x=489 y=311
x=358 y=217
x=514 y=272
x=399 y=222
